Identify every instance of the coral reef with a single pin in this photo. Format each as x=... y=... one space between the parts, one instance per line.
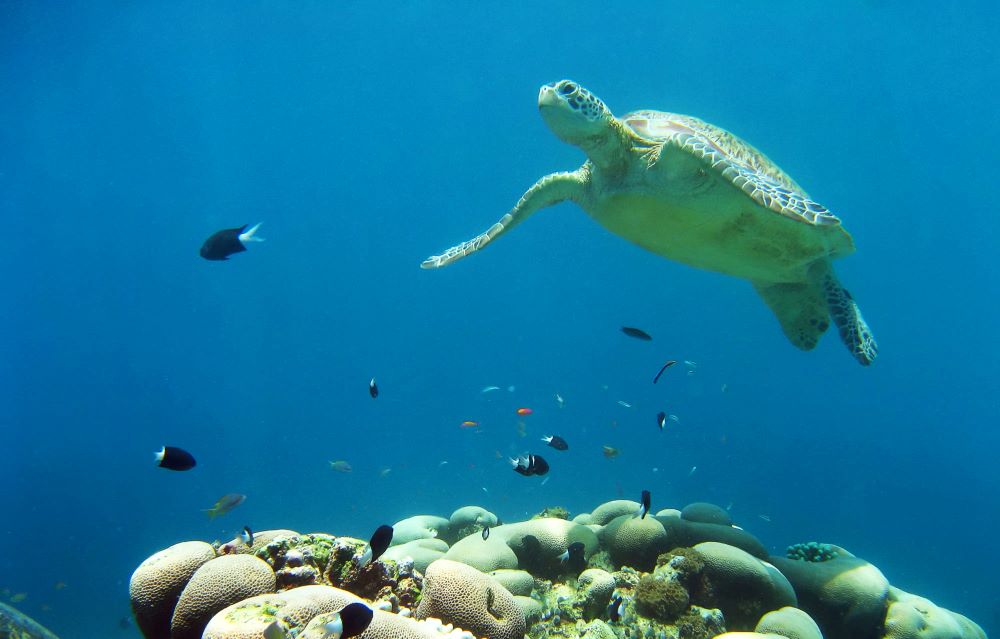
x=676 y=575
x=557 y=512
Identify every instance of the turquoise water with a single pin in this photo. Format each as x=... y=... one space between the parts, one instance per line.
x=369 y=137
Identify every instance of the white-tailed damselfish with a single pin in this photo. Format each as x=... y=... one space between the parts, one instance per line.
x=573 y=554
x=373 y=388
x=528 y=465
x=376 y=545
x=555 y=441
x=173 y=458
x=643 y=506
x=351 y=621
x=226 y=242
x=247 y=536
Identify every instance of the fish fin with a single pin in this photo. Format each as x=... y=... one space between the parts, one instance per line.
x=249 y=236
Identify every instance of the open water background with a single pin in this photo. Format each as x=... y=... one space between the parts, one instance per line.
x=367 y=137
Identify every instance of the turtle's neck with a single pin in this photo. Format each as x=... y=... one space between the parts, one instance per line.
x=609 y=151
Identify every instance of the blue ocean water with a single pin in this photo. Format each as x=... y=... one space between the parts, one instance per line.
x=367 y=137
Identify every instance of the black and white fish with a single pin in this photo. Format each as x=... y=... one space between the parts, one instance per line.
x=173 y=458
x=574 y=553
x=661 y=419
x=616 y=608
x=486 y=533
x=555 y=441
x=226 y=242
x=373 y=388
x=528 y=465
x=247 y=536
x=376 y=545
x=351 y=621
x=643 y=506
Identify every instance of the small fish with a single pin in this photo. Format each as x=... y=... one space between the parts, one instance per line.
x=643 y=506
x=274 y=631
x=385 y=471
x=484 y=490
x=341 y=466
x=247 y=536
x=469 y=424
x=173 y=458
x=624 y=403
x=611 y=452
x=690 y=364
x=661 y=419
x=125 y=622
x=373 y=388
x=224 y=504
x=60 y=585
x=351 y=621
x=376 y=545
x=670 y=362
x=528 y=465
x=490 y=389
x=555 y=441
x=691 y=472
x=675 y=418
x=725 y=387
x=560 y=400
x=573 y=552
x=616 y=608
x=19 y=597
x=486 y=533
x=524 y=411
x=637 y=333
x=226 y=242
x=546 y=480
x=765 y=518
x=442 y=463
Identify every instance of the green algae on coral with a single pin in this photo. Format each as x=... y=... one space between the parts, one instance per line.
x=556 y=512
x=661 y=599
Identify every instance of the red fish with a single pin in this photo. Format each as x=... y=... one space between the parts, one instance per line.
x=524 y=411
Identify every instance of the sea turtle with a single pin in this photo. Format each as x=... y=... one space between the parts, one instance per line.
x=17 y=625
x=692 y=192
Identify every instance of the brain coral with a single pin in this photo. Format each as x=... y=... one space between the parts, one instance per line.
x=483 y=554
x=421 y=551
x=740 y=585
x=612 y=509
x=219 y=583
x=789 y=622
x=418 y=527
x=913 y=617
x=539 y=542
x=518 y=582
x=689 y=533
x=462 y=595
x=847 y=596
x=635 y=542
x=158 y=581
x=706 y=513
x=595 y=587
x=472 y=516
x=292 y=609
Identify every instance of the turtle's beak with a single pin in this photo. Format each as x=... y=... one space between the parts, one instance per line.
x=547 y=96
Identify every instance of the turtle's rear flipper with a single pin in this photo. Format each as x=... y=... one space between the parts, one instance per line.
x=854 y=332
x=801 y=310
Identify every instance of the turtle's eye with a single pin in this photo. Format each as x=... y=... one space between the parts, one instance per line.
x=567 y=88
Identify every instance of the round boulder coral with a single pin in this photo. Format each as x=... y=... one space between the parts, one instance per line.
x=660 y=599
x=635 y=542
x=611 y=509
x=847 y=596
x=595 y=587
x=789 y=622
x=706 y=513
x=740 y=585
x=471 y=600
x=483 y=554
x=913 y=617
x=538 y=543
x=421 y=551
x=158 y=582
x=219 y=583
x=689 y=533
x=518 y=582
x=419 y=527
x=292 y=610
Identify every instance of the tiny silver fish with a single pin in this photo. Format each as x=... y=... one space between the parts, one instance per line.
x=625 y=404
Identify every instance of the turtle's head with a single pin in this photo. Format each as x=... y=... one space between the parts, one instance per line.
x=578 y=117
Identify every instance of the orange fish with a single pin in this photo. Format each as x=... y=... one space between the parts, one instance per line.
x=469 y=424
x=524 y=411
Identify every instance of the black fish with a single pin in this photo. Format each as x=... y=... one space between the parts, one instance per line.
x=643 y=506
x=354 y=619
x=530 y=465
x=616 y=608
x=573 y=554
x=376 y=546
x=247 y=536
x=373 y=388
x=661 y=419
x=637 y=333
x=670 y=362
x=173 y=458
x=486 y=533
x=557 y=442
x=226 y=242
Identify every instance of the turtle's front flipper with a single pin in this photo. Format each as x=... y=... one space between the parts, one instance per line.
x=551 y=189
x=854 y=332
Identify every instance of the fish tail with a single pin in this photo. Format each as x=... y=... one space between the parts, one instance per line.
x=249 y=236
x=211 y=512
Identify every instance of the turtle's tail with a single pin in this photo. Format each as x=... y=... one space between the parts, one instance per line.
x=249 y=236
